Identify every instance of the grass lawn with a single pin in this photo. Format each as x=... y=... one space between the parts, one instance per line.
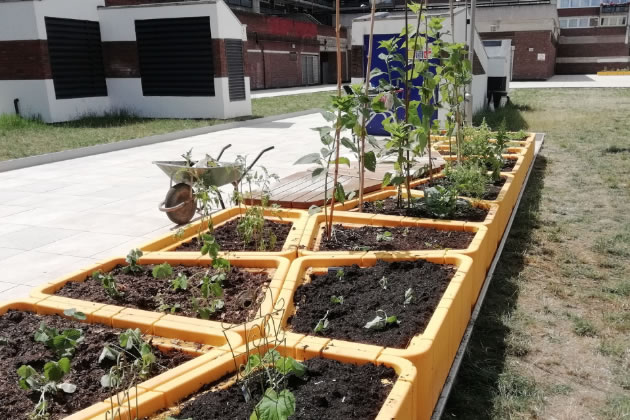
x=22 y=137
x=553 y=338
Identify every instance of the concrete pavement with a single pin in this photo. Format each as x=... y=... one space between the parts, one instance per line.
x=266 y=93
x=60 y=217
x=575 y=81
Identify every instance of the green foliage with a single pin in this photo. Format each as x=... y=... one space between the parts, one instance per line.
x=73 y=313
x=468 y=179
x=132 y=259
x=322 y=324
x=109 y=284
x=384 y=236
x=440 y=202
x=381 y=321
x=277 y=403
x=180 y=282
x=162 y=271
x=274 y=405
x=48 y=383
x=209 y=246
x=336 y=299
x=133 y=357
x=63 y=343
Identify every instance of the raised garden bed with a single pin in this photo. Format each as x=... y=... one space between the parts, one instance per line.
x=282 y=231
x=29 y=339
x=427 y=335
x=334 y=385
x=493 y=189
x=249 y=288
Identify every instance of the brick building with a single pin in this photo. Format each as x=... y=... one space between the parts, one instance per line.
x=593 y=36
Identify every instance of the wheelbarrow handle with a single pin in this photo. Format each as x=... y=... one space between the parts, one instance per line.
x=223 y=150
x=254 y=162
x=170 y=209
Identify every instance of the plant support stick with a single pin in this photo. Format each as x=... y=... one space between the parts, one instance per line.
x=364 y=122
x=338 y=128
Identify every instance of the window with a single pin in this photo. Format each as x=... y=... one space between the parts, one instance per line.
x=613 y=21
x=76 y=59
x=579 y=22
x=572 y=4
x=175 y=56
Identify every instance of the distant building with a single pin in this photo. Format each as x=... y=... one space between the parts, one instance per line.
x=593 y=36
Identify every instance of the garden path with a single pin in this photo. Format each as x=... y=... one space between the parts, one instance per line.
x=60 y=217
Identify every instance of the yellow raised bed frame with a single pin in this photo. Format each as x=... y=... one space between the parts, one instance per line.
x=157 y=323
x=431 y=352
x=203 y=356
x=398 y=405
x=170 y=241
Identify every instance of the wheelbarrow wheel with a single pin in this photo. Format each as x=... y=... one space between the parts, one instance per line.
x=180 y=195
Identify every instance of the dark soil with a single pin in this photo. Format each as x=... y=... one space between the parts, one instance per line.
x=363 y=295
x=243 y=291
x=329 y=390
x=18 y=327
x=402 y=239
x=491 y=193
x=388 y=206
x=228 y=238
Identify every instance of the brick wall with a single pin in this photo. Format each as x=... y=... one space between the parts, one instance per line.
x=526 y=64
x=593 y=50
x=24 y=60
x=602 y=30
x=356 y=61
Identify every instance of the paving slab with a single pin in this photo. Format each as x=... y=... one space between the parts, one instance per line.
x=575 y=81
x=59 y=217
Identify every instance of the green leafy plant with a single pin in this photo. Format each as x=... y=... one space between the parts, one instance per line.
x=468 y=179
x=322 y=324
x=132 y=259
x=277 y=403
x=209 y=245
x=73 y=313
x=384 y=236
x=208 y=299
x=162 y=271
x=46 y=383
x=440 y=202
x=109 y=284
x=381 y=321
x=63 y=343
x=180 y=282
x=336 y=299
x=132 y=352
x=340 y=273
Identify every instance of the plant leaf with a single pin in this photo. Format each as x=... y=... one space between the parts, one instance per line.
x=72 y=312
x=67 y=388
x=369 y=161
x=308 y=159
x=274 y=406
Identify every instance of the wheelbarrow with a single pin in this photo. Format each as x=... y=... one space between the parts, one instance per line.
x=180 y=205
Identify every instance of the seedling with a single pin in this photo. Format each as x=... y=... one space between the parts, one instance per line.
x=379 y=205
x=383 y=282
x=322 y=324
x=63 y=343
x=162 y=271
x=340 y=274
x=384 y=237
x=72 y=312
x=133 y=347
x=277 y=403
x=180 y=282
x=336 y=299
x=109 y=284
x=48 y=383
x=132 y=260
x=381 y=321
x=408 y=296
x=165 y=307
x=210 y=246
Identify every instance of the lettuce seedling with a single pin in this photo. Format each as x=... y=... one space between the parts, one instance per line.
x=381 y=321
x=63 y=343
x=162 y=271
x=180 y=282
x=109 y=284
x=132 y=260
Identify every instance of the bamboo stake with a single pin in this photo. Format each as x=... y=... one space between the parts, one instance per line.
x=364 y=122
x=338 y=128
